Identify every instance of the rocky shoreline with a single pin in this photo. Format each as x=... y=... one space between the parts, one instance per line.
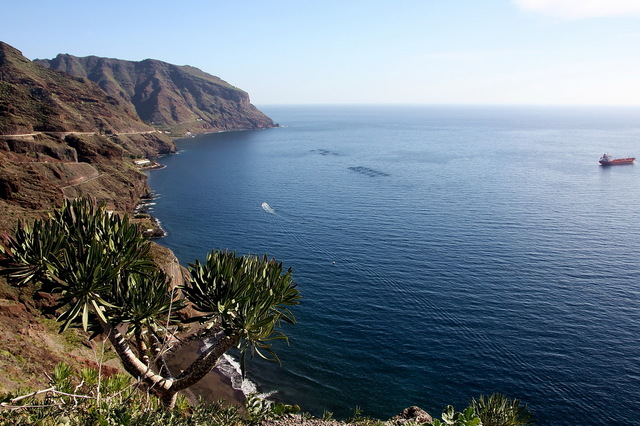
x=149 y=224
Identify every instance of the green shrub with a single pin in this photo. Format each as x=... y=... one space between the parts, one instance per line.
x=498 y=410
x=76 y=399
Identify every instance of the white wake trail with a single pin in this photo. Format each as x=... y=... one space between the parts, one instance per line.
x=267 y=208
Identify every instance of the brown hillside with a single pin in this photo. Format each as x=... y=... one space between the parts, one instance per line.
x=62 y=136
x=36 y=99
x=181 y=98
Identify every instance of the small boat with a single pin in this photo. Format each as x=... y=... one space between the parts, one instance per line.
x=607 y=160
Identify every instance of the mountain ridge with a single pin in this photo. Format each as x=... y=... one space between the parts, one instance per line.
x=34 y=98
x=171 y=97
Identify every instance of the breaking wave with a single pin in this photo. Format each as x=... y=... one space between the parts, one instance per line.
x=231 y=368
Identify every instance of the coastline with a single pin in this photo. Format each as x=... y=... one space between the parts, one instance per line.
x=142 y=212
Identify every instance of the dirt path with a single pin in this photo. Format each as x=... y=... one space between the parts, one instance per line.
x=81 y=180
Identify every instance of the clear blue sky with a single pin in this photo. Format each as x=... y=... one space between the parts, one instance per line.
x=361 y=51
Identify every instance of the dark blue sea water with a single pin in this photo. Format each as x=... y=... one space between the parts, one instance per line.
x=476 y=250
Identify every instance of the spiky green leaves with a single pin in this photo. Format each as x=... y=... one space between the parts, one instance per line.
x=84 y=254
x=249 y=296
x=141 y=299
x=498 y=410
x=27 y=252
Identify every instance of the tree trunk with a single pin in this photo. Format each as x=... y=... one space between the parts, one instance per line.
x=205 y=363
x=169 y=399
x=159 y=355
x=166 y=388
x=141 y=347
x=132 y=364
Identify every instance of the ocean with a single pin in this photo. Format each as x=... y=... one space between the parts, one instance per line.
x=443 y=252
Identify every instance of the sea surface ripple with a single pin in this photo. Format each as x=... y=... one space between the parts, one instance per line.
x=442 y=252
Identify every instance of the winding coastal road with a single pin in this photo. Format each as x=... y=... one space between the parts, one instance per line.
x=63 y=134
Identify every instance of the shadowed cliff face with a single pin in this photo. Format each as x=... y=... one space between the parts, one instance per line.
x=177 y=98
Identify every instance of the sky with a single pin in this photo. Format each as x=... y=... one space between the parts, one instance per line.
x=480 y=52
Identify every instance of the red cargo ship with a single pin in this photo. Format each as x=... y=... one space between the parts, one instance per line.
x=607 y=160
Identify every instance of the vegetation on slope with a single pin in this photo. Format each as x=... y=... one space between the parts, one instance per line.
x=91 y=396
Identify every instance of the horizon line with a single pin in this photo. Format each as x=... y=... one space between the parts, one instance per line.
x=433 y=104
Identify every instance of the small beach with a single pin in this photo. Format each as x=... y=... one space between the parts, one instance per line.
x=214 y=386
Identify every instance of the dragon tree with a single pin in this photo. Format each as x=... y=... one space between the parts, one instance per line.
x=99 y=268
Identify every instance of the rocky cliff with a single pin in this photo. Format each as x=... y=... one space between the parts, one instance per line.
x=62 y=136
x=169 y=97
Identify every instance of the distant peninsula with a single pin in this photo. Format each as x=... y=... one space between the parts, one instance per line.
x=178 y=98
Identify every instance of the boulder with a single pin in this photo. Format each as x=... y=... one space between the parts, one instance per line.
x=413 y=415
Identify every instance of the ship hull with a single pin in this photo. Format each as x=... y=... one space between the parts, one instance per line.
x=617 y=161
